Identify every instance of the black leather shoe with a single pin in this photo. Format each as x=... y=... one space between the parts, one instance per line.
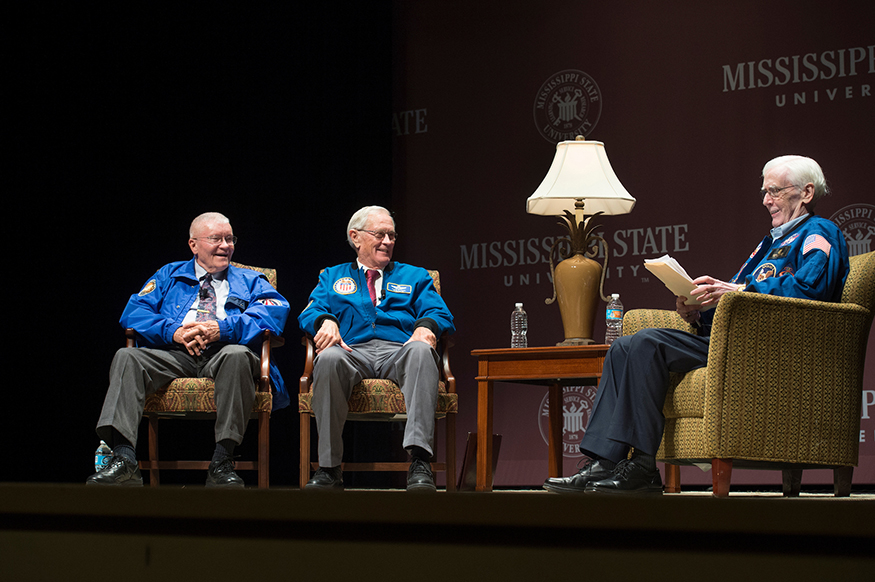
x=221 y=474
x=419 y=476
x=120 y=472
x=628 y=478
x=326 y=478
x=594 y=470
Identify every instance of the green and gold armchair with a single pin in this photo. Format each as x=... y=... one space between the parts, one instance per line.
x=782 y=388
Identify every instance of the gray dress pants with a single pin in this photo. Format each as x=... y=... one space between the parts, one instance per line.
x=138 y=372
x=414 y=367
x=627 y=411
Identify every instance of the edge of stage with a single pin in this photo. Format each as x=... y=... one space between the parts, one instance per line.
x=52 y=530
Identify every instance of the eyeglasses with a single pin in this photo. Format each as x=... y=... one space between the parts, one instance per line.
x=381 y=234
x=217 y=240
x=774 y=192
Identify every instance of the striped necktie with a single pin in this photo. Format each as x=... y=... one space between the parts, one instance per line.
x=372 y=275
x=206 y=307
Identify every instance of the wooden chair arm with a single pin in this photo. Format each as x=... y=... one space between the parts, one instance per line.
x=447 y=374
x=270 y=341
x=307 y=376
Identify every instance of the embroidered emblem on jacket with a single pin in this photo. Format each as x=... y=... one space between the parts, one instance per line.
x=779 y=253
x=764 y=271
x=790 y=239
x=345 y=286
x=815 y=242
x=396 y=288
x=150 y=286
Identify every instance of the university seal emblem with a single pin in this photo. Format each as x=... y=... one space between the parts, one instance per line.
x=857 y=223
x=568 y=104
x=576 y=408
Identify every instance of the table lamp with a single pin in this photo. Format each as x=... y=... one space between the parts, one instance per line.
x=580 y=179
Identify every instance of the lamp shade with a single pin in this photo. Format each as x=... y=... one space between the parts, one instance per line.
x=580 y=170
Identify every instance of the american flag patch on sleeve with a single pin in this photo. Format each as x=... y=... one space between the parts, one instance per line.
x=815 y=242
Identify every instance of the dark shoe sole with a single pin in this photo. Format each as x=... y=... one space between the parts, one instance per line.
x=422 y=488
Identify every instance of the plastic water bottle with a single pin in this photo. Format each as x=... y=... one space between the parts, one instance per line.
x=519 y=326
x=613 y=319
x=102 y=456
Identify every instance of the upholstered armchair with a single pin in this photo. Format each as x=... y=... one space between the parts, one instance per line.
x=381 y=400
x=782 y=388
x=194 y=398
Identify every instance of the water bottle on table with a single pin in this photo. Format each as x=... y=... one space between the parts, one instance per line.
x=519 y=326
x=613 y=319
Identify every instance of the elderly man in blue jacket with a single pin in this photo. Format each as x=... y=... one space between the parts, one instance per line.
x=803 y=256
x=374 y=318
x=196 y=318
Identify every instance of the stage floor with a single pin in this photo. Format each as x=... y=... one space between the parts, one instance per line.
x=58 y=531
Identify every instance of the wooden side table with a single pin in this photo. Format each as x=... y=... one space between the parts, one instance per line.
x=554 y=366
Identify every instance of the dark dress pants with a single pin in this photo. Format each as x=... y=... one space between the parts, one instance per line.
x=627 y=411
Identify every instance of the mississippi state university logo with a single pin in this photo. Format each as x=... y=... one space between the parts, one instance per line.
x=568 y=104
x=576 y=408
x=857 y=223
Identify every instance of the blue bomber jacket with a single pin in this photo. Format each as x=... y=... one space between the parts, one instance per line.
x=253 y=306
x=410 y=301
x=809 y=262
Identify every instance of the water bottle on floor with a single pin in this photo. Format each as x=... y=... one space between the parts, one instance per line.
x=102 y=456
x=613 y=319
x=519 y=326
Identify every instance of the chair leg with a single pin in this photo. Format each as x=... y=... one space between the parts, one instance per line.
x=792 y=482
x=672 y=478
x=304 y=469
x=721 y=474
x=154 y=479
x=841 y=479
x=263 y=450
x=451 y=451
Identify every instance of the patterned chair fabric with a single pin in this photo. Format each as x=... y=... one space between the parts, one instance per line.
x=378 y=399
x=783 y=384
x=195 y=398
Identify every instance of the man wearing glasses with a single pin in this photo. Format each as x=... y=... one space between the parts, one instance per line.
x=804 y=256
x=196 y=318
x=374 y=318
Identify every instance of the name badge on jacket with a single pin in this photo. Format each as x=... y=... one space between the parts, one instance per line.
x=779 y=253
x=396 y=288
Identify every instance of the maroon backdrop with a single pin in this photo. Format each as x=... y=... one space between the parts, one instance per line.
x=690 y=99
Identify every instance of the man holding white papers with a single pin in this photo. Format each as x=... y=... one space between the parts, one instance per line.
x=803 y=256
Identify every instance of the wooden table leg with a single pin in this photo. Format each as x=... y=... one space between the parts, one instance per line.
x=554 y=441
x=484 y=435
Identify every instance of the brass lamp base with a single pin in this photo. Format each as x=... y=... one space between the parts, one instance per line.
x=576 y=341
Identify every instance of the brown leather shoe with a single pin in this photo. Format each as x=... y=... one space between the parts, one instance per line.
x=593 y=470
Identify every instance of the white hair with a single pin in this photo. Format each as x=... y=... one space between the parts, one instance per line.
x=207 y=218
x=360 y=220
x=801 y=171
